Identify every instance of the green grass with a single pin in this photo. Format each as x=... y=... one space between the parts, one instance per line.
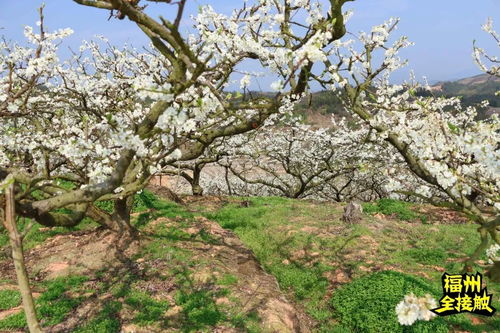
x=389 y=207
x=143 y=201
x=274 y=229
x=38 y=233
x=9 y=299
x=257 y=226
x=107 y=320
x=4 y=238
x=146 y=201
x=443 y=246
x=149 y=310
x=368 y=304
x=53 y=305
x=199 y=309
x=13 y=322
x=228 y=280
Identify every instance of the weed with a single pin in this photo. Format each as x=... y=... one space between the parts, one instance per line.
x=52 y=306
x=13 y=322
x=227 y=280
x=55 y=303
x=148 y=201
x=256 y=226
x=427 y=256
x=368 y=303
x=9 y=299
x=107 y=321
x=199 y=308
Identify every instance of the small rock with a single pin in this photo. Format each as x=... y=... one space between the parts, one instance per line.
x=338 y=276
x=222 y=300
x=341 y=276
x=353 y=212
x=192 y=231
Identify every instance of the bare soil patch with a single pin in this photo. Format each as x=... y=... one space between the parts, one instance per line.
x=79 y=253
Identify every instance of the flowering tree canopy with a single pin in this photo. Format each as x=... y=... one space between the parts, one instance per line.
x=107 y=119
x=97 y=126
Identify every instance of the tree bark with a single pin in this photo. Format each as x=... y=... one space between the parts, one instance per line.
x=195 y=185
x=228 y=183
x=125 y=232
x=16 y=243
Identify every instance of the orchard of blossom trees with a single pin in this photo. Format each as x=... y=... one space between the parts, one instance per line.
x=107 y=119
x=98 y=125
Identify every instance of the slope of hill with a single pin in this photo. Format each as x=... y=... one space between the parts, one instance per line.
x=473 y=90
x=473 y=82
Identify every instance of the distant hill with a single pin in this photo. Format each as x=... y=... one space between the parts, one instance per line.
x=474 y=81
x=473 y=90
x=318 y=108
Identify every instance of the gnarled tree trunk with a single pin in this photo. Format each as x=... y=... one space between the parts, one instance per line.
x=195 y=184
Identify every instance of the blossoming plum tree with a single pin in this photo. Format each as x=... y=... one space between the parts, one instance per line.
x=297 y=161
x=441 y=142
x=96 y=127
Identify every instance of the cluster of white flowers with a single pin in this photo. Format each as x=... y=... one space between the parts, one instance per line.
x=106 y=101
x=493 y=253
x=109 y=109
x=480 y=56
x=413 y=308
x=225 y=38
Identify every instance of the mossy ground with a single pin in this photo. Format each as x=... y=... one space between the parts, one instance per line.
x=192 y=275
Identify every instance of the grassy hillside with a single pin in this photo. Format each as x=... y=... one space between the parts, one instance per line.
x=335 y=270
x=212 y=265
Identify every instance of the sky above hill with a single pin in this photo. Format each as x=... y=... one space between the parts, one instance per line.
x=442 y=30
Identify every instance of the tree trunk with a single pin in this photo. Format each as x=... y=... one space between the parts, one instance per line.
x=226 y=177
x=494 y=272
x=353 y=213
x=121 y=219
x=195 y=184
x=19 y=265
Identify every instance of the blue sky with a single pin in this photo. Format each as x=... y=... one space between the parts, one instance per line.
x=443 y=30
